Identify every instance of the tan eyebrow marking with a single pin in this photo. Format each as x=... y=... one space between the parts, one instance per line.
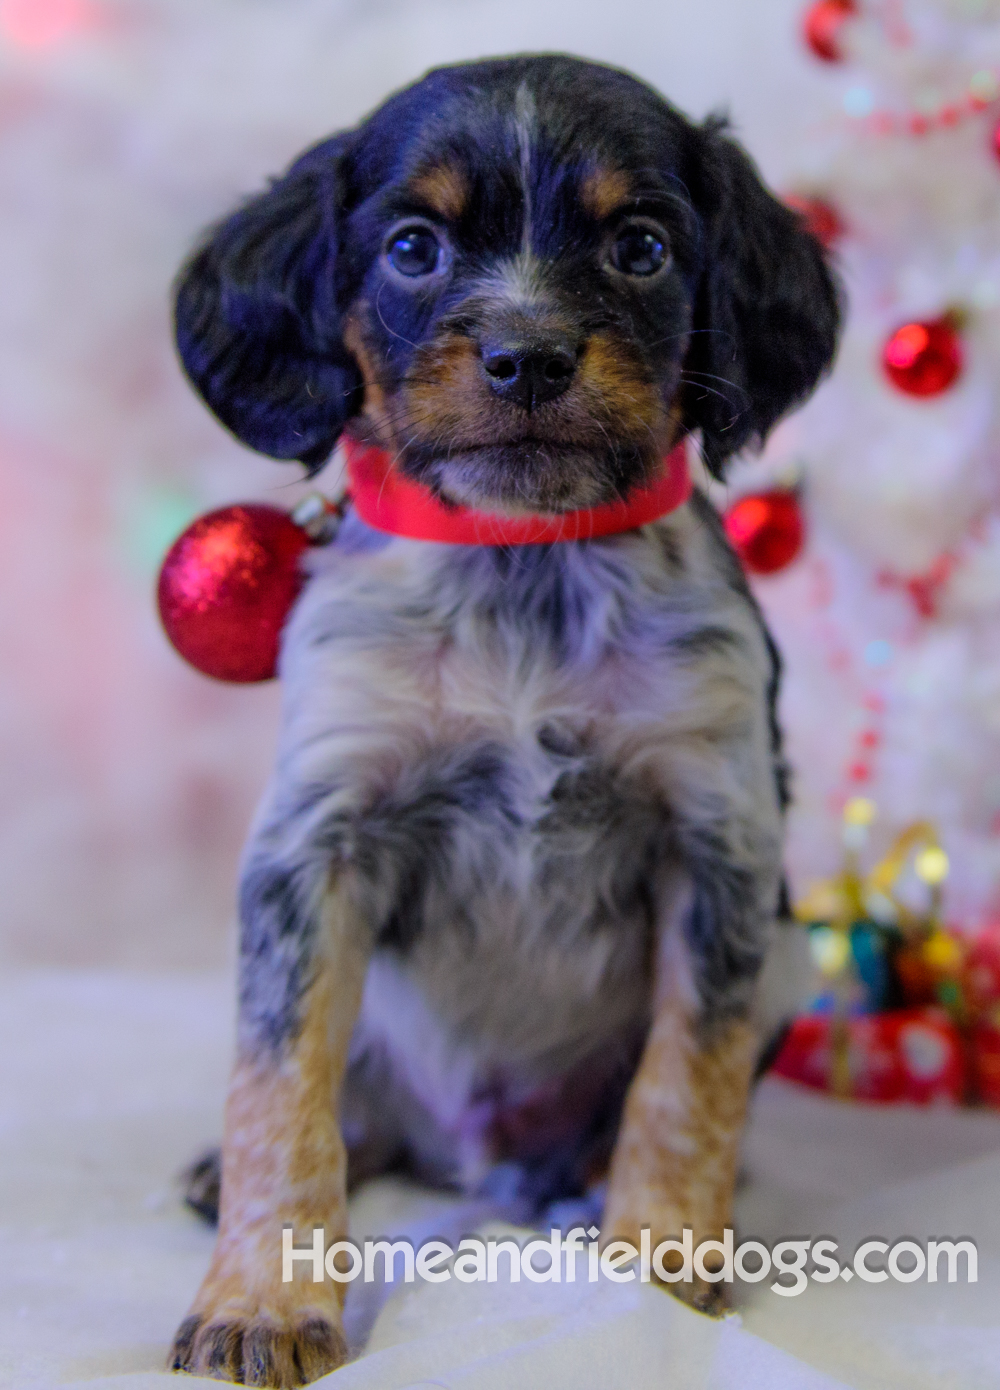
x=444 y=189
x=604 y=190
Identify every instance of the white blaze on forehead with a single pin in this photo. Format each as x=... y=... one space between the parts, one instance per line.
x=516 y=280
x=525 y=125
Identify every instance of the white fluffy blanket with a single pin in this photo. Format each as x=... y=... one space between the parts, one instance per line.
x=110 y=1083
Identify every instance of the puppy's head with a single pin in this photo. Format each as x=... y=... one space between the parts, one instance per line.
x=525 y=278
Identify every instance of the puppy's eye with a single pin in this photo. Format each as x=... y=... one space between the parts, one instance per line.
x=414 y=251
x=639 y=250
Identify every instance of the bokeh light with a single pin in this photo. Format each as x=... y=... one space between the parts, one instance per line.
x=42 y=23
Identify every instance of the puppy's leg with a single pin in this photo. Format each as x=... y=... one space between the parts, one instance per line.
x=676 y=1156
x=283 y=1159
x=675 y=1161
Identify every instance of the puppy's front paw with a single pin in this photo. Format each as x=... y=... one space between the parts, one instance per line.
x=700 y=1294
x=259 y=1349
x=707 y=1296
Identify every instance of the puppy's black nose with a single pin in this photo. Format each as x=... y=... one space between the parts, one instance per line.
x=529 y=373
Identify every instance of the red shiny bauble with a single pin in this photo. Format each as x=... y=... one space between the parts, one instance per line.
x=766 y=530
x=995 y=140
x=821 y=26
x=820 y=218
x=227 y=586
x=923 y=359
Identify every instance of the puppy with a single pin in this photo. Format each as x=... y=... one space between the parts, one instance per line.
x=512 y=884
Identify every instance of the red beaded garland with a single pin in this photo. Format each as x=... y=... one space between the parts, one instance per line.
x=766 y=530
x=227 y=586
x=923 y=359
x=821 y=26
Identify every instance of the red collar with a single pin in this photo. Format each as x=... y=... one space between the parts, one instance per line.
x=387 y=501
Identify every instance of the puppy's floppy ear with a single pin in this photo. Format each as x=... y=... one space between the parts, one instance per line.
x=767 y=309
x=257 y=317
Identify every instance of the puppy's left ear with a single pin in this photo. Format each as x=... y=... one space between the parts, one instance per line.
x=767 y=309
x=257 y=317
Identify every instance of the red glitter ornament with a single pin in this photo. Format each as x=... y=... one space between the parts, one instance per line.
x=821 y=26
x=227 y=586
x=766 y=530
x=995 y=140
x=820 y=218
x=924 y=359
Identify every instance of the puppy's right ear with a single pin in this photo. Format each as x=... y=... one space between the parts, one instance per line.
x=768 y=309
x=257 y=316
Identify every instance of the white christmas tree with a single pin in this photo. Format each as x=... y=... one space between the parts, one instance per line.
x=890 y=619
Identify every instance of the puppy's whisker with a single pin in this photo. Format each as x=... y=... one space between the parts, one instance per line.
x=711 y=390
x=692 y=333
x=391 y=331
x=710 y=376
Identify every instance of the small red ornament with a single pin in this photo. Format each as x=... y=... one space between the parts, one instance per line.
x=766 y=530
x=821 y=26
x=819 y=216
x=227 y=586
x=924 y=359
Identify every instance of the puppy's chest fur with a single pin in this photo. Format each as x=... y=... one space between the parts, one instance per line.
x=497 y=744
